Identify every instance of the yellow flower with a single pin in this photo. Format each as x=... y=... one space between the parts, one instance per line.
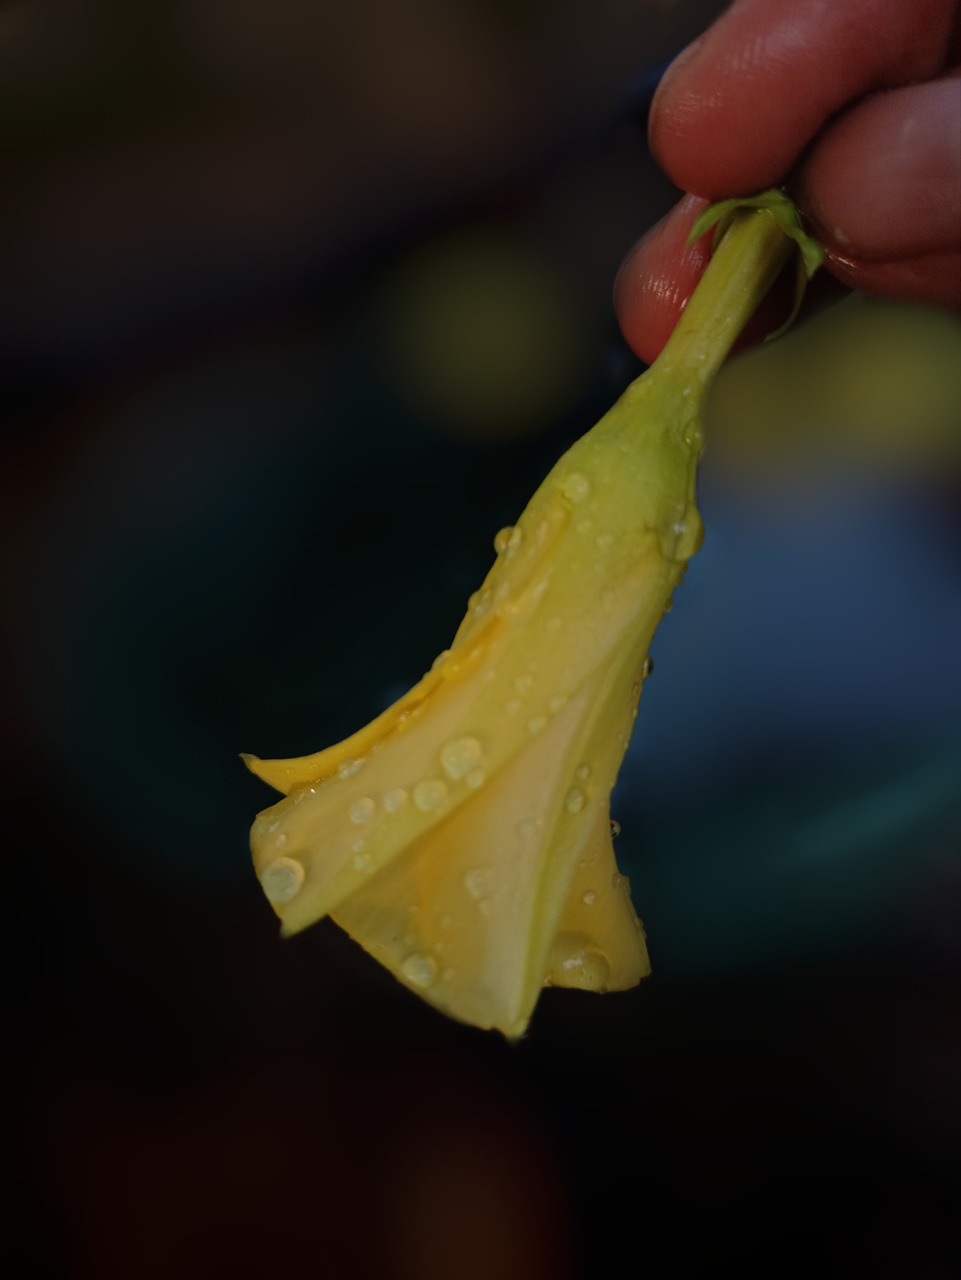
x=463 y=838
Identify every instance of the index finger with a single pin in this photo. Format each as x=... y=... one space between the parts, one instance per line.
x=735 y=111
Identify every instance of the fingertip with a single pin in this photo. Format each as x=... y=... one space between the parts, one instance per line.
x=884 y=180
x=933 y=278
x=657 y=278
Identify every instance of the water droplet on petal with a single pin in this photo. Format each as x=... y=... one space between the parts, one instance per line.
x=362 y=810
x=419 y=969
x=583 y=772
x=361 y=861
x=583 y=963
x=589 y=898
x=535 y=724
x=440 y=659
x=648 y=667
x=478 y=881
x=684 y=536
x=615 y=829
x=575 y=487
x=282 y=880
x=502 y=538
x=347 y=768
x=430 y=794
x=480 y=602
x=527 y=829
x=395 y=799
x=459 y=756
x=280 y=841
x=476 y=778
x=575 y=800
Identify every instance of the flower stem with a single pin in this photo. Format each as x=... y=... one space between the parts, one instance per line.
x=749 y=258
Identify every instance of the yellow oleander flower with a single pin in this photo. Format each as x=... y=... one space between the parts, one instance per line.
x=464 y=837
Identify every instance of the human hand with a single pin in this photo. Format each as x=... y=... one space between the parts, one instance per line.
x=857 y=106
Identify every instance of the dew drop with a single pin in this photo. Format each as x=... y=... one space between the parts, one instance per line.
x=459 y=756
x=575 y=800
x=282 y=880
x=589 y=898
x=648 y=667
x=430 y=794
x=535 y=724
x=481 y=602
x=478 y=881
x=620 y=882
x=347 y=768
x=684 y=536
x=476 y=778
x=419 y=969
x=440 y=659
x=527 y=829
x=502 y=539
x=693 y=435
x=362 y=810
x=361 y=861
x=615 y=829
x=575 y=486
x=280 y=841
x=581 y=962
x=583 y=772
x=514 y=540
x=273 y=825
x=395 y=799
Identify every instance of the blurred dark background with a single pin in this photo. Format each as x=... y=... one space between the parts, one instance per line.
x=298 y=303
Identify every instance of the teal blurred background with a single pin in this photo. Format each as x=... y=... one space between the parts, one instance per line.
x=297 y=306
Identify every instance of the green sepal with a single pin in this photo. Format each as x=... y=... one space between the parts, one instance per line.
x=784 y=212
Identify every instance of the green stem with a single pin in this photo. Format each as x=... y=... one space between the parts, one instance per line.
x=745 y=264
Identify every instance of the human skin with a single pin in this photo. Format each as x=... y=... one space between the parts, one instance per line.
x=855 y=106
